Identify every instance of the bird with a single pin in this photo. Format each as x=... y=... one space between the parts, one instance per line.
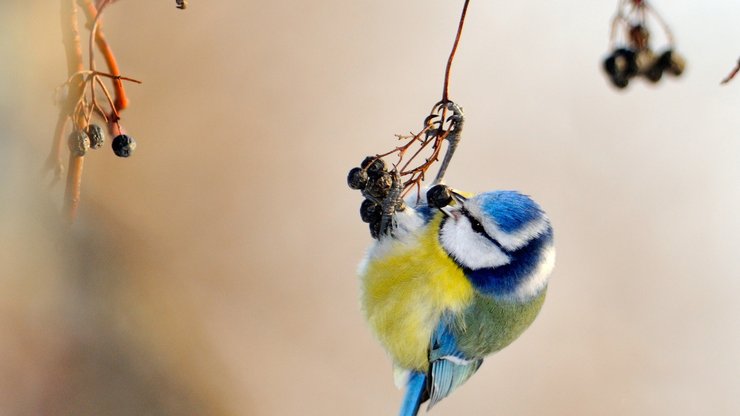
x=450 y=285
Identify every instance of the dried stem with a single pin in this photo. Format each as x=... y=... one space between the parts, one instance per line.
x=71 y=40
x=121 y=101
x=631 y=12
x=437 y=129
x=732 y=74
x=78 y=107
x=445 y=91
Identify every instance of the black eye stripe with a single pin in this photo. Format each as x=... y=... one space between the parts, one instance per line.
x=476 y=226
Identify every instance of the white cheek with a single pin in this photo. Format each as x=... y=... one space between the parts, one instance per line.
x=538 y=280
x=469 y=248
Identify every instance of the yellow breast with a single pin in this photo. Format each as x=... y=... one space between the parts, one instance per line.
x=407 y=286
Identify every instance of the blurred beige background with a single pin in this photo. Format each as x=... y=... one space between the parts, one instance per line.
x=214 y=271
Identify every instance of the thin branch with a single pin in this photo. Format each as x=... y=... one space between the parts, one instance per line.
x=445 y=91
x=71 y=40
x=92 y=12
x=732 y=74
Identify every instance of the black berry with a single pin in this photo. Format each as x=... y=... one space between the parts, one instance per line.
x=123 y=145
x=373 y=165
x=357 y=178
x=621 y=65
x=370 y=211
x=439 y=196
x=655 y=72
x=79 y=143
x=97 y=136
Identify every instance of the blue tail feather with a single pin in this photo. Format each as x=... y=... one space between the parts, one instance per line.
x=416 y=394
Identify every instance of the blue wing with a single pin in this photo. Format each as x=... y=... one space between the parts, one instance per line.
x=449 y=367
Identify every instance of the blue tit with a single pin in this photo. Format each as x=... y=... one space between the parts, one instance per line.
x=449 y=286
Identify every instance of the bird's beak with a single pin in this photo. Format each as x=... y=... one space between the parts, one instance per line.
x=450 y=212
x=458 y=197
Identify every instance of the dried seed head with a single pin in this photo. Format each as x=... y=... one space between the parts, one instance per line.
x=380 y=186
x=123 y=145
x=79 y=143
x=439 y=196
x=96 y=135
x=357 y=178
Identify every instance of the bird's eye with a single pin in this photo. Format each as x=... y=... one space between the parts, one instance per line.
x=476 y=226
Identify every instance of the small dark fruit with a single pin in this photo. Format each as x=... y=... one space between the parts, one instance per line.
x=620 y=81
x=621 y=62
x=123 y=145
x=97 y=136
x=373 y=165
x=79 y=143
x=655 y=72
x=370 y=211
x=439 y=196
x=621 y=65
x=357 y=178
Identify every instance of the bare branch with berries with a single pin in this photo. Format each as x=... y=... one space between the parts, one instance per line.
x=384 y=188
x=85 y=97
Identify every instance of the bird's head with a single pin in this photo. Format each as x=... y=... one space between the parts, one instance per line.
x=487 y=230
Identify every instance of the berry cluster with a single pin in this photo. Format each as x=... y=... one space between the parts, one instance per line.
x=638 y=59
x=382 y=191
x=631 y=54
x=93 y=137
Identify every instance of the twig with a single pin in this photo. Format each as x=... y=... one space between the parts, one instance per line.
x=71 y=40
x=92 y=12
x=732 y=74
x=445 y=92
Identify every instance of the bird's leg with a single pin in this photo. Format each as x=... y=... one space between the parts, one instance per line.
x=456 y=121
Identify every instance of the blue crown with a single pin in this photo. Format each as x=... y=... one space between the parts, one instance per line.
x=509 y=209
